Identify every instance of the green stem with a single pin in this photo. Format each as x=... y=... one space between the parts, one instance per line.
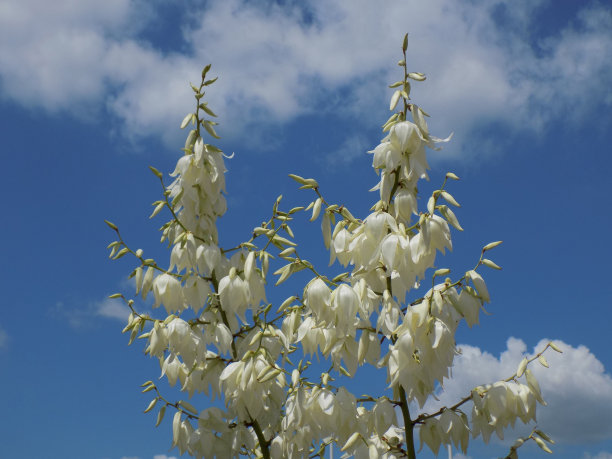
x=264 y=445
x=408 y=424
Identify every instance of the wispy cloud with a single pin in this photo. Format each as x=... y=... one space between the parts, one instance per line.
x=576 y=387
x=600 y=455
x=112 y=309
x=80 y=316
x=352 y=147
x=278 y=62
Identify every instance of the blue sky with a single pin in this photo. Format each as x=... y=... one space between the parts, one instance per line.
x=91 y=93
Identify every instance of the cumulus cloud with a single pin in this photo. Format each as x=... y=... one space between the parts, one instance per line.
x=280 y=61
x=576 y=387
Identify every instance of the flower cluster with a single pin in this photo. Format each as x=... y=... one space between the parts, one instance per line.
x=221 y=339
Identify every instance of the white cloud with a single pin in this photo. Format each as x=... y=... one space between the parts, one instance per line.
x=112 y=309
x=600 y=455
x=352 y=147
x=83 y=316
x=277 y=62
x=576 y=387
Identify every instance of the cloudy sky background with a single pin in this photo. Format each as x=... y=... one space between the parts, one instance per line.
x=91 y=93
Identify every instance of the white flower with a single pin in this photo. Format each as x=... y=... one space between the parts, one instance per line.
x=196 y=292
x=234 y=293
x=467 y=305
x=406 y=137
x=345 y=303
x=429 y=434
x=480 y=285
x=405 y=204
x=318 y=298
x=168 y=291
x=384 y=416
x=208 y=256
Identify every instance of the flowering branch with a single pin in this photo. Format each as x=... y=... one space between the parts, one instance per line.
x=220 y=339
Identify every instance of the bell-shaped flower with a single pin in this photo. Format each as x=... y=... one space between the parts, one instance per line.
x=479 y=284
x=178 y=334
x=384 y=416
x=368 y=349
x=376 y=225
x=174 y=370
x=454 y=426
x=158 y=340
x=208 y=256
x=317 y=296
x=234 y=293
x=386 y=156
x=196 y=292
x=436 y=234
x=405 y=136
x=405 y=204
x=340 y=246
x=389 y=315
x=467 y=305
x=386 y=186
x=430 y=435
x=345 y=303
x=394 y=248
x=525 y=402
x=222 y=338
x=344 y=350
x=418 y=165
x=168 y=291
